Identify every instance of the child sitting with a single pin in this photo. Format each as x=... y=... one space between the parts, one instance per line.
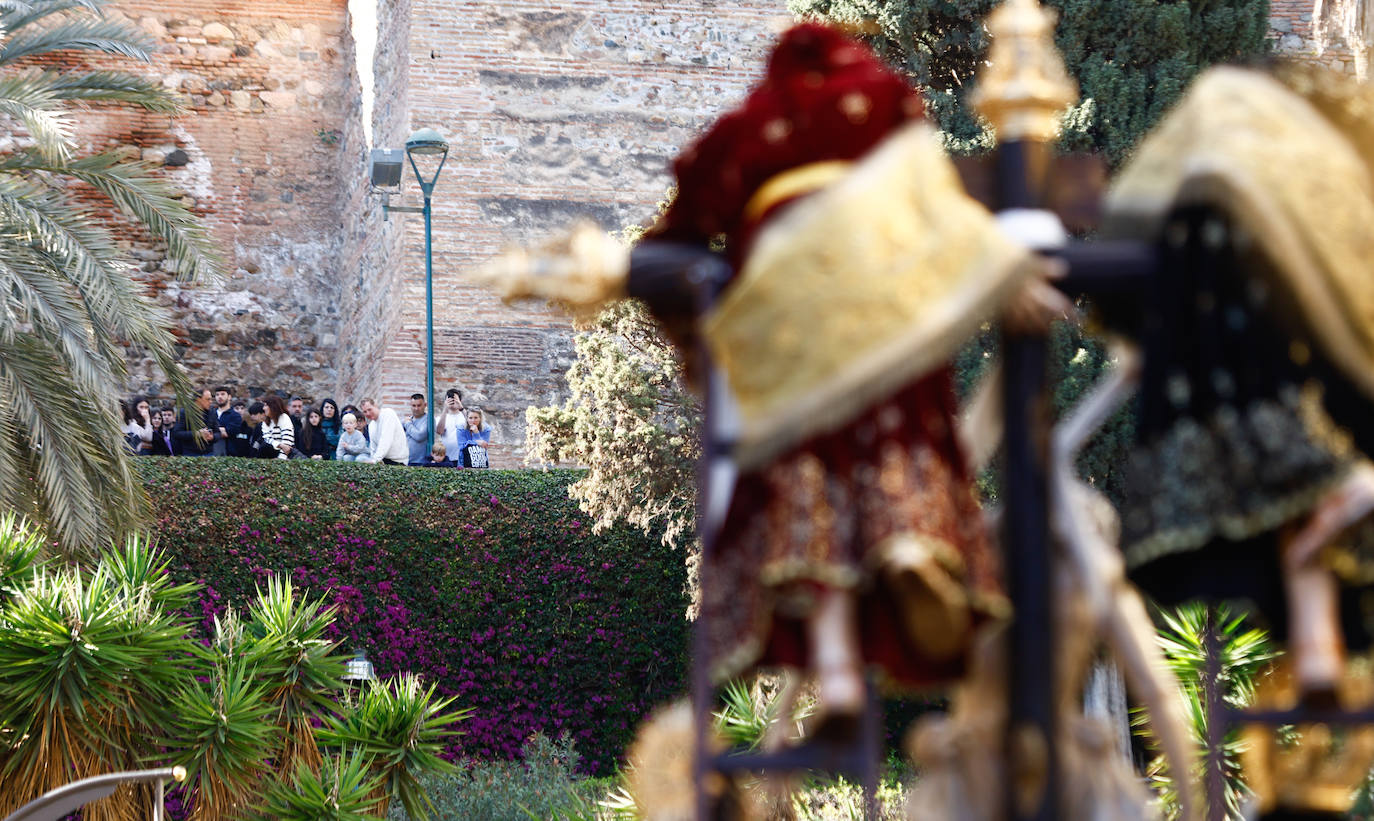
x=352 y=445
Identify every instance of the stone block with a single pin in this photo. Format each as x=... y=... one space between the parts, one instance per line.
x=240 y=99
x=153 y=27
x=279 y=99
x=216 y=32
x=216 y=54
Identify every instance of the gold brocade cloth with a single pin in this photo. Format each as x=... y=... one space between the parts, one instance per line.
x=856 y=291
x=1290 y=167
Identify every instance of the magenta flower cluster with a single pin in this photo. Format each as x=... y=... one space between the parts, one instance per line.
x=485 y=582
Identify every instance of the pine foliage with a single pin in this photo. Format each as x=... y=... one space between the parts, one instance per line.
x=1132 y=58
x=631 y=421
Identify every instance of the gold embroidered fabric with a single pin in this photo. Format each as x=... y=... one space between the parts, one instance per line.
x=857 y=290
x=1313 y=768
x=1292 y=170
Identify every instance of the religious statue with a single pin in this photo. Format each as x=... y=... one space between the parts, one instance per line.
x=852 y=537
x=962 y=753
x=1250 y=480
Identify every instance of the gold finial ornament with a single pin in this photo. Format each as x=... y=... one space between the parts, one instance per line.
x=1024 y=88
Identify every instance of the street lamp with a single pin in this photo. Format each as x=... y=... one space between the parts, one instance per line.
x=427 y=143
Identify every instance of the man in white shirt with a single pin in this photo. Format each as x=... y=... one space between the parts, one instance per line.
x=386 y=434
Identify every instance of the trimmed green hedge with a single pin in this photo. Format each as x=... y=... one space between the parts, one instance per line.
x=489 y=583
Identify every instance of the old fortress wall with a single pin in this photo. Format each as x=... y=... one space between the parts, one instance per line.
x=553 y=111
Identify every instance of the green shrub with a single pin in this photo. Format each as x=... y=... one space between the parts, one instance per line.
x=545 y=785
x=489 y=584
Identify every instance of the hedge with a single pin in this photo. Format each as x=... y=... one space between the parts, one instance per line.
x=489 y=583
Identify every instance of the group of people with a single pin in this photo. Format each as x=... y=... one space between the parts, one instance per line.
x=276 y=428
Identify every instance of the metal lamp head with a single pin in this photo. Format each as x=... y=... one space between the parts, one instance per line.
x=428 y=145
x=426 y=141
x=358 y=668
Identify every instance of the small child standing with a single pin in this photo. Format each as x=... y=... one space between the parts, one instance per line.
x=352 y=445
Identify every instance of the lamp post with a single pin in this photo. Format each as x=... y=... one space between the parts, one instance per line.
x=428 y=143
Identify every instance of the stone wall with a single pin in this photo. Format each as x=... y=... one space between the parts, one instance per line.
x=372 y=245
x=259 y=155
x=553 y=113
x=1290 y=22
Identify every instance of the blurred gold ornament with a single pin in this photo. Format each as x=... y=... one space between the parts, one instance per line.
x=1314 y=767
x=660 y=765
x=1025 y=88
x=583 y=269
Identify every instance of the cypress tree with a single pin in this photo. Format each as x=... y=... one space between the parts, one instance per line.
x=1132 y=59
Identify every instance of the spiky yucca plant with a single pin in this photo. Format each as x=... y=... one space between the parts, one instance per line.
x=344 y=789
x=70 y=301
x=85 y=665
x=223 y=732
x=750 y=708
x=142 y=571
x=401 y=727
x=298 y=664
x=1245 y=652
x=21 y=553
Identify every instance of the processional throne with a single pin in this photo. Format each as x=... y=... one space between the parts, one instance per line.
x=1191 y=210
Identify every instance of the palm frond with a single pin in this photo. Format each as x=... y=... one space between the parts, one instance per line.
x=117 y=87
x=70 y=307
x=51 y=310
x=83 y=256
x=146 y=197
x=42 y=114
x=18 y=14
x=72 y=471
x=76 y=33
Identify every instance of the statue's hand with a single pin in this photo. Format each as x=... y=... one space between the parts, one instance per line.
x=1039 y=304
x=584 y=268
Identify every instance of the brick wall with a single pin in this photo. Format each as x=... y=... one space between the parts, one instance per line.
x=1290 y=22
x=552 y=114
x=258 y=154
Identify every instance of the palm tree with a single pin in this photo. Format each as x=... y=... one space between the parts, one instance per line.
x=70 y=304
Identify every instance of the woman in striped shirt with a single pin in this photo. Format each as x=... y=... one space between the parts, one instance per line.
x=277 y=430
